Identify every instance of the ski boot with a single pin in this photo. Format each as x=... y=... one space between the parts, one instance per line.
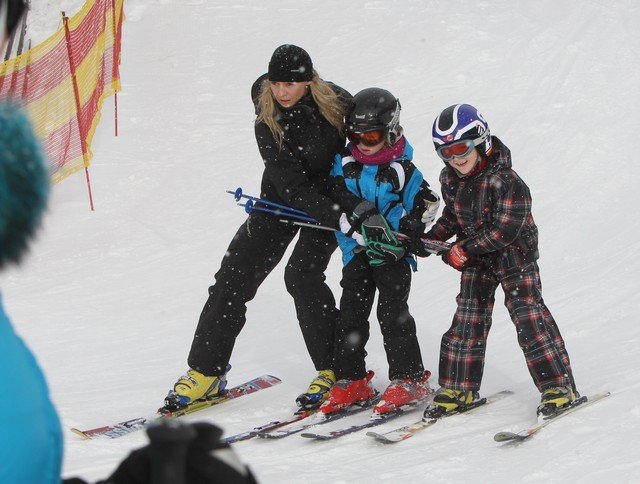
x=194 y=386
x=404 y=391
x=318 y=390
x=348 y=392
x=448 y=400
x=556 y=399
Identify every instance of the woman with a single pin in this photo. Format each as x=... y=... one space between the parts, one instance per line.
x=298 y=131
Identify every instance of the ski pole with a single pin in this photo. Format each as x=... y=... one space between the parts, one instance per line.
x=250 y=207
x=310 y=225
x=431 y=245
x=237 y=194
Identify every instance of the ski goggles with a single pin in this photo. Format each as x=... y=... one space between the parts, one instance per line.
x=458 y=149
x=369 y=138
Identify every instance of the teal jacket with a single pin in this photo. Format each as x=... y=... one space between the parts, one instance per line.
x=392 y=187
x=30 y=435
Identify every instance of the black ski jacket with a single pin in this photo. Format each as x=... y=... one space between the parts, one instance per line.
x=296 y=173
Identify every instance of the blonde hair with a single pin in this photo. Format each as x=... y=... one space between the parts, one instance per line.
x=331 y=107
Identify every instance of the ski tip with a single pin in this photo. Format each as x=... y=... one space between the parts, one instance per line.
x=80 y=433
x=381 y=438
x=505 y=436
x=385 y=440
x=272 y=379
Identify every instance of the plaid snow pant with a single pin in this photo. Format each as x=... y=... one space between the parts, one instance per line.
x=463 y=346
x=359 y=284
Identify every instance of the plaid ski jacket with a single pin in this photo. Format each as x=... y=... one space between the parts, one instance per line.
x=489 y=213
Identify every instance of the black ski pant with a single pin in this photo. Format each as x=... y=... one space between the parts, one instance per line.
x=255 y=250
x=359 y=284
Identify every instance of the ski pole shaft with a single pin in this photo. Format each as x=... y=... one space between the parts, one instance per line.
x=306 y=224
x=237 y=194
x=250 y=207
x=431 y=245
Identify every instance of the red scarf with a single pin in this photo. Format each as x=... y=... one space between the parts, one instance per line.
x=385 y=155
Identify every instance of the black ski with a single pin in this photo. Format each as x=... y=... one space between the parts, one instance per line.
x=276 y=424
x=319 y=419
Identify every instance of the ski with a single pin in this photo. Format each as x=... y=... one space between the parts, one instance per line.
x=320 y=419
x=581 y=402
x=407 y=431
x=128 y=426
x=432 y=246
x=435 y=246
x=374 y=420
x=276 y=424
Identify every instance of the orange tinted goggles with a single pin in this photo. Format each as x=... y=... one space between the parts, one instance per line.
x=458 y=149
x=370 y=138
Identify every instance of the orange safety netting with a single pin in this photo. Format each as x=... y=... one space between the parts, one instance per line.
x=63 y=82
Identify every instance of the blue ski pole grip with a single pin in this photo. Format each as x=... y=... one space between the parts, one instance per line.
x=248 y=207
x=237 y=193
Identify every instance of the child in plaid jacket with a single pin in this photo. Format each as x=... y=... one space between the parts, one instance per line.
x=488 y=209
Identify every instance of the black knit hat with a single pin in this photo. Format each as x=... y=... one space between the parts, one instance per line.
x=290 y=63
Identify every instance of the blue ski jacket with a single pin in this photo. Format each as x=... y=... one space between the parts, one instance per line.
x=30 y=435
x=392 y=187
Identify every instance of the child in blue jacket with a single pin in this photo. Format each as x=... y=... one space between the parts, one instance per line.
x=377 y=168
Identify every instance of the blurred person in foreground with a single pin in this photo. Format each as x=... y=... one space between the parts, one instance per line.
x=30 y=437
x=31 y=443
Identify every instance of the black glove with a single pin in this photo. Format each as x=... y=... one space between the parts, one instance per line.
x=382 y=252
x=363 y=210
x=209 y=460
x=416 y=246
x=381 y=244
x=181 y=453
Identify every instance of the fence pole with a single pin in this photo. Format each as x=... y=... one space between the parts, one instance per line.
x=115 y=59
x=76 y=92
x=23 y=29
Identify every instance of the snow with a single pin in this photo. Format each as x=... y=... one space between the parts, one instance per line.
x=109 y=300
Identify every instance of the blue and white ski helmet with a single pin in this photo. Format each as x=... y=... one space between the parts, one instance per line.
x=459 y=122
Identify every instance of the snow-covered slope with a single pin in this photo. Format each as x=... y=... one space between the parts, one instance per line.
x=109 y=300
